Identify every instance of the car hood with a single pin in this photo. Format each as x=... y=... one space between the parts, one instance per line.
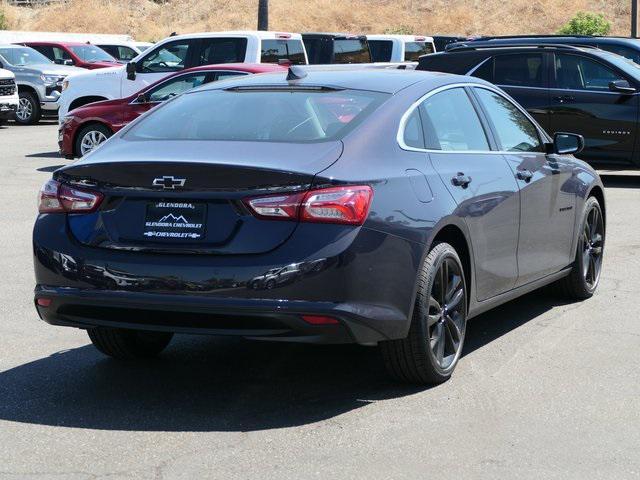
x=4 y=74
x=52 y=69
x=103 y=64
x=101 y=75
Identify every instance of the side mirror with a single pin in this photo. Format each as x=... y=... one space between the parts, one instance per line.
x=621 y=86
x=567 y=143
x=142 y=98
x=57 y=61
x=68 y=62
x=131 y=71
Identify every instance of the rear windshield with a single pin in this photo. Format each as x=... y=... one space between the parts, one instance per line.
x=275 y=50
x=381 y=50
x=413 y=50
x=351 y=50
x=292 y=116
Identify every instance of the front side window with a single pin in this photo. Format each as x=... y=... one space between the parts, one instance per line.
x=91 y=53
x=516 y=133
x=451 y=122
x=381 y=50
x=176 y=86
x=627 y=52
x=120 y=52
x=170 y=57
x=222 y=50
x=518 y=70
x=256 y=115
x=60 y=55
x=414 y=50
x=574 y=72
x=275 y=50
x=348 y=50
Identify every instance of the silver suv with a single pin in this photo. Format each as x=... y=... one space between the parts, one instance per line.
x=39 y=81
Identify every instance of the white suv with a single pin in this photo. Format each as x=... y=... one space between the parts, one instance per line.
x=399 y=48
x=177 y=53
x=8 y=95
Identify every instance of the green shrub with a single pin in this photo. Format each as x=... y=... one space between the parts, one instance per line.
x=586 y=23
x=3 y=21
x=399 y=30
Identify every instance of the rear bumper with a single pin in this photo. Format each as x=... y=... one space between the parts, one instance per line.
x=363 y=278
x=273 y=320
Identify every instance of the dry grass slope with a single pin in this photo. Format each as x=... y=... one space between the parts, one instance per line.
x=147 y=20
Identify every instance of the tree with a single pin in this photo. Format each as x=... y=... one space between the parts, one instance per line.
x=3 y=20
x=586 y=23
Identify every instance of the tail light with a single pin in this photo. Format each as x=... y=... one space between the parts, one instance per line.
x=346 y=205
x=56 y=197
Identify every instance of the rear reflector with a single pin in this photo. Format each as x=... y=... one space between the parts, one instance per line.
x=319 y=320
x=420 y=39
x=283 y=35
x=345 y=205
x=43 y=302
x=56 y=197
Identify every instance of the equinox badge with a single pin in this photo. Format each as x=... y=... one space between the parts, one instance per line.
x=168 y=182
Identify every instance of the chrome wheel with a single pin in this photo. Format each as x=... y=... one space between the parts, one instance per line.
x=25 y=110
x=446 y=320
x=592 y=246
x=91 y=140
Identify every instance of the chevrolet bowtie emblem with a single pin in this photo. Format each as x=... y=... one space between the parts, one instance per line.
x=169 y=182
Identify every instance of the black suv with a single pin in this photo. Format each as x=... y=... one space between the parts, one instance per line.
x=324 y=48
x=566 y=88
x=625 y=46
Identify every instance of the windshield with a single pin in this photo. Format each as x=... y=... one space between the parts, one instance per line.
x=623 y=63
x=21 y=56
x=413 y=50
x=91 y=53
x=288 y=115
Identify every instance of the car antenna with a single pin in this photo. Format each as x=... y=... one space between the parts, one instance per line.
x=173 y=34
x=295 y=73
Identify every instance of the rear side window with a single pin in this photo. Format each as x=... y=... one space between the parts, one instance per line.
x=452 y=123
x=170 y=57
x=292 y=116
x=351 y=50
x=276 y=50
x=516 y=133
x=413 y=134
x=519 y=70
x=120 y=52
x=222 y=50
x=574 y=72
x=413 y=50
x=176 y=86
x=381 y=50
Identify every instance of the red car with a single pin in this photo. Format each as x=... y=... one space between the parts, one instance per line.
x=86 y=127
x=83 y=55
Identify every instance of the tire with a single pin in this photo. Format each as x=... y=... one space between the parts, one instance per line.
x=415 y=359
x=28 y=112
x=582 y=282
x=94 y=134
x=129 y=344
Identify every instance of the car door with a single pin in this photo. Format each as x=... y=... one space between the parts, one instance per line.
x=524 y=76
x=547 y=208
x=583 y=103
x=480 y=181
x=159 y=62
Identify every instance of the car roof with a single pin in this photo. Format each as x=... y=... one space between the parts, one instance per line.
x=402 y=38
x=242 y=67
x=333 y=35
x=372 y=79
x=634 y=42
x=51 y=42
x=238 y=33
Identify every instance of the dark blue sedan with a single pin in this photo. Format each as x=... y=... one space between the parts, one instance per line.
x=379 y=207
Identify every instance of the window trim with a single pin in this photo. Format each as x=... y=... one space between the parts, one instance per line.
x=405 y=117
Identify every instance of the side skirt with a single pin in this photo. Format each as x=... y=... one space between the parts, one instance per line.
x=481 y=307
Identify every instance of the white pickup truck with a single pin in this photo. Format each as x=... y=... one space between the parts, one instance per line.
x=177 y=53
x=399 y=48
x=8 y=95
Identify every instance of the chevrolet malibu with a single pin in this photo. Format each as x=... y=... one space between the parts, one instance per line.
x=400 y=204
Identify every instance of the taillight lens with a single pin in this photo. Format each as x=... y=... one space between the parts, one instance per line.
x=346 y=205
x=56 y=197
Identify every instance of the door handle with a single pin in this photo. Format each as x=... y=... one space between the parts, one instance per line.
x=461 y=180
x=564 y=98
x=525 y=175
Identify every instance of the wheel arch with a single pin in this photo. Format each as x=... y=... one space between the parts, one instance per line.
x=598 y=193
x=82 y=101
x=22 y=88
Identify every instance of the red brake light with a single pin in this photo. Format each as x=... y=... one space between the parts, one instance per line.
x=56 y=197
x=420 y=39
x=319 y=320
x=283 y=35
x=345 y=205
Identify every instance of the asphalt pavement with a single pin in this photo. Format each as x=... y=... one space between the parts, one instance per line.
x=545 y=389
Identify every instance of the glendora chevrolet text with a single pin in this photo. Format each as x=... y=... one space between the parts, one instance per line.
x=372 y=206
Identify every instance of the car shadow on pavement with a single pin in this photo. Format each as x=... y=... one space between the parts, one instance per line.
x=50 y=168
x=218 y=384
x=44 y=155
x=620 y=181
